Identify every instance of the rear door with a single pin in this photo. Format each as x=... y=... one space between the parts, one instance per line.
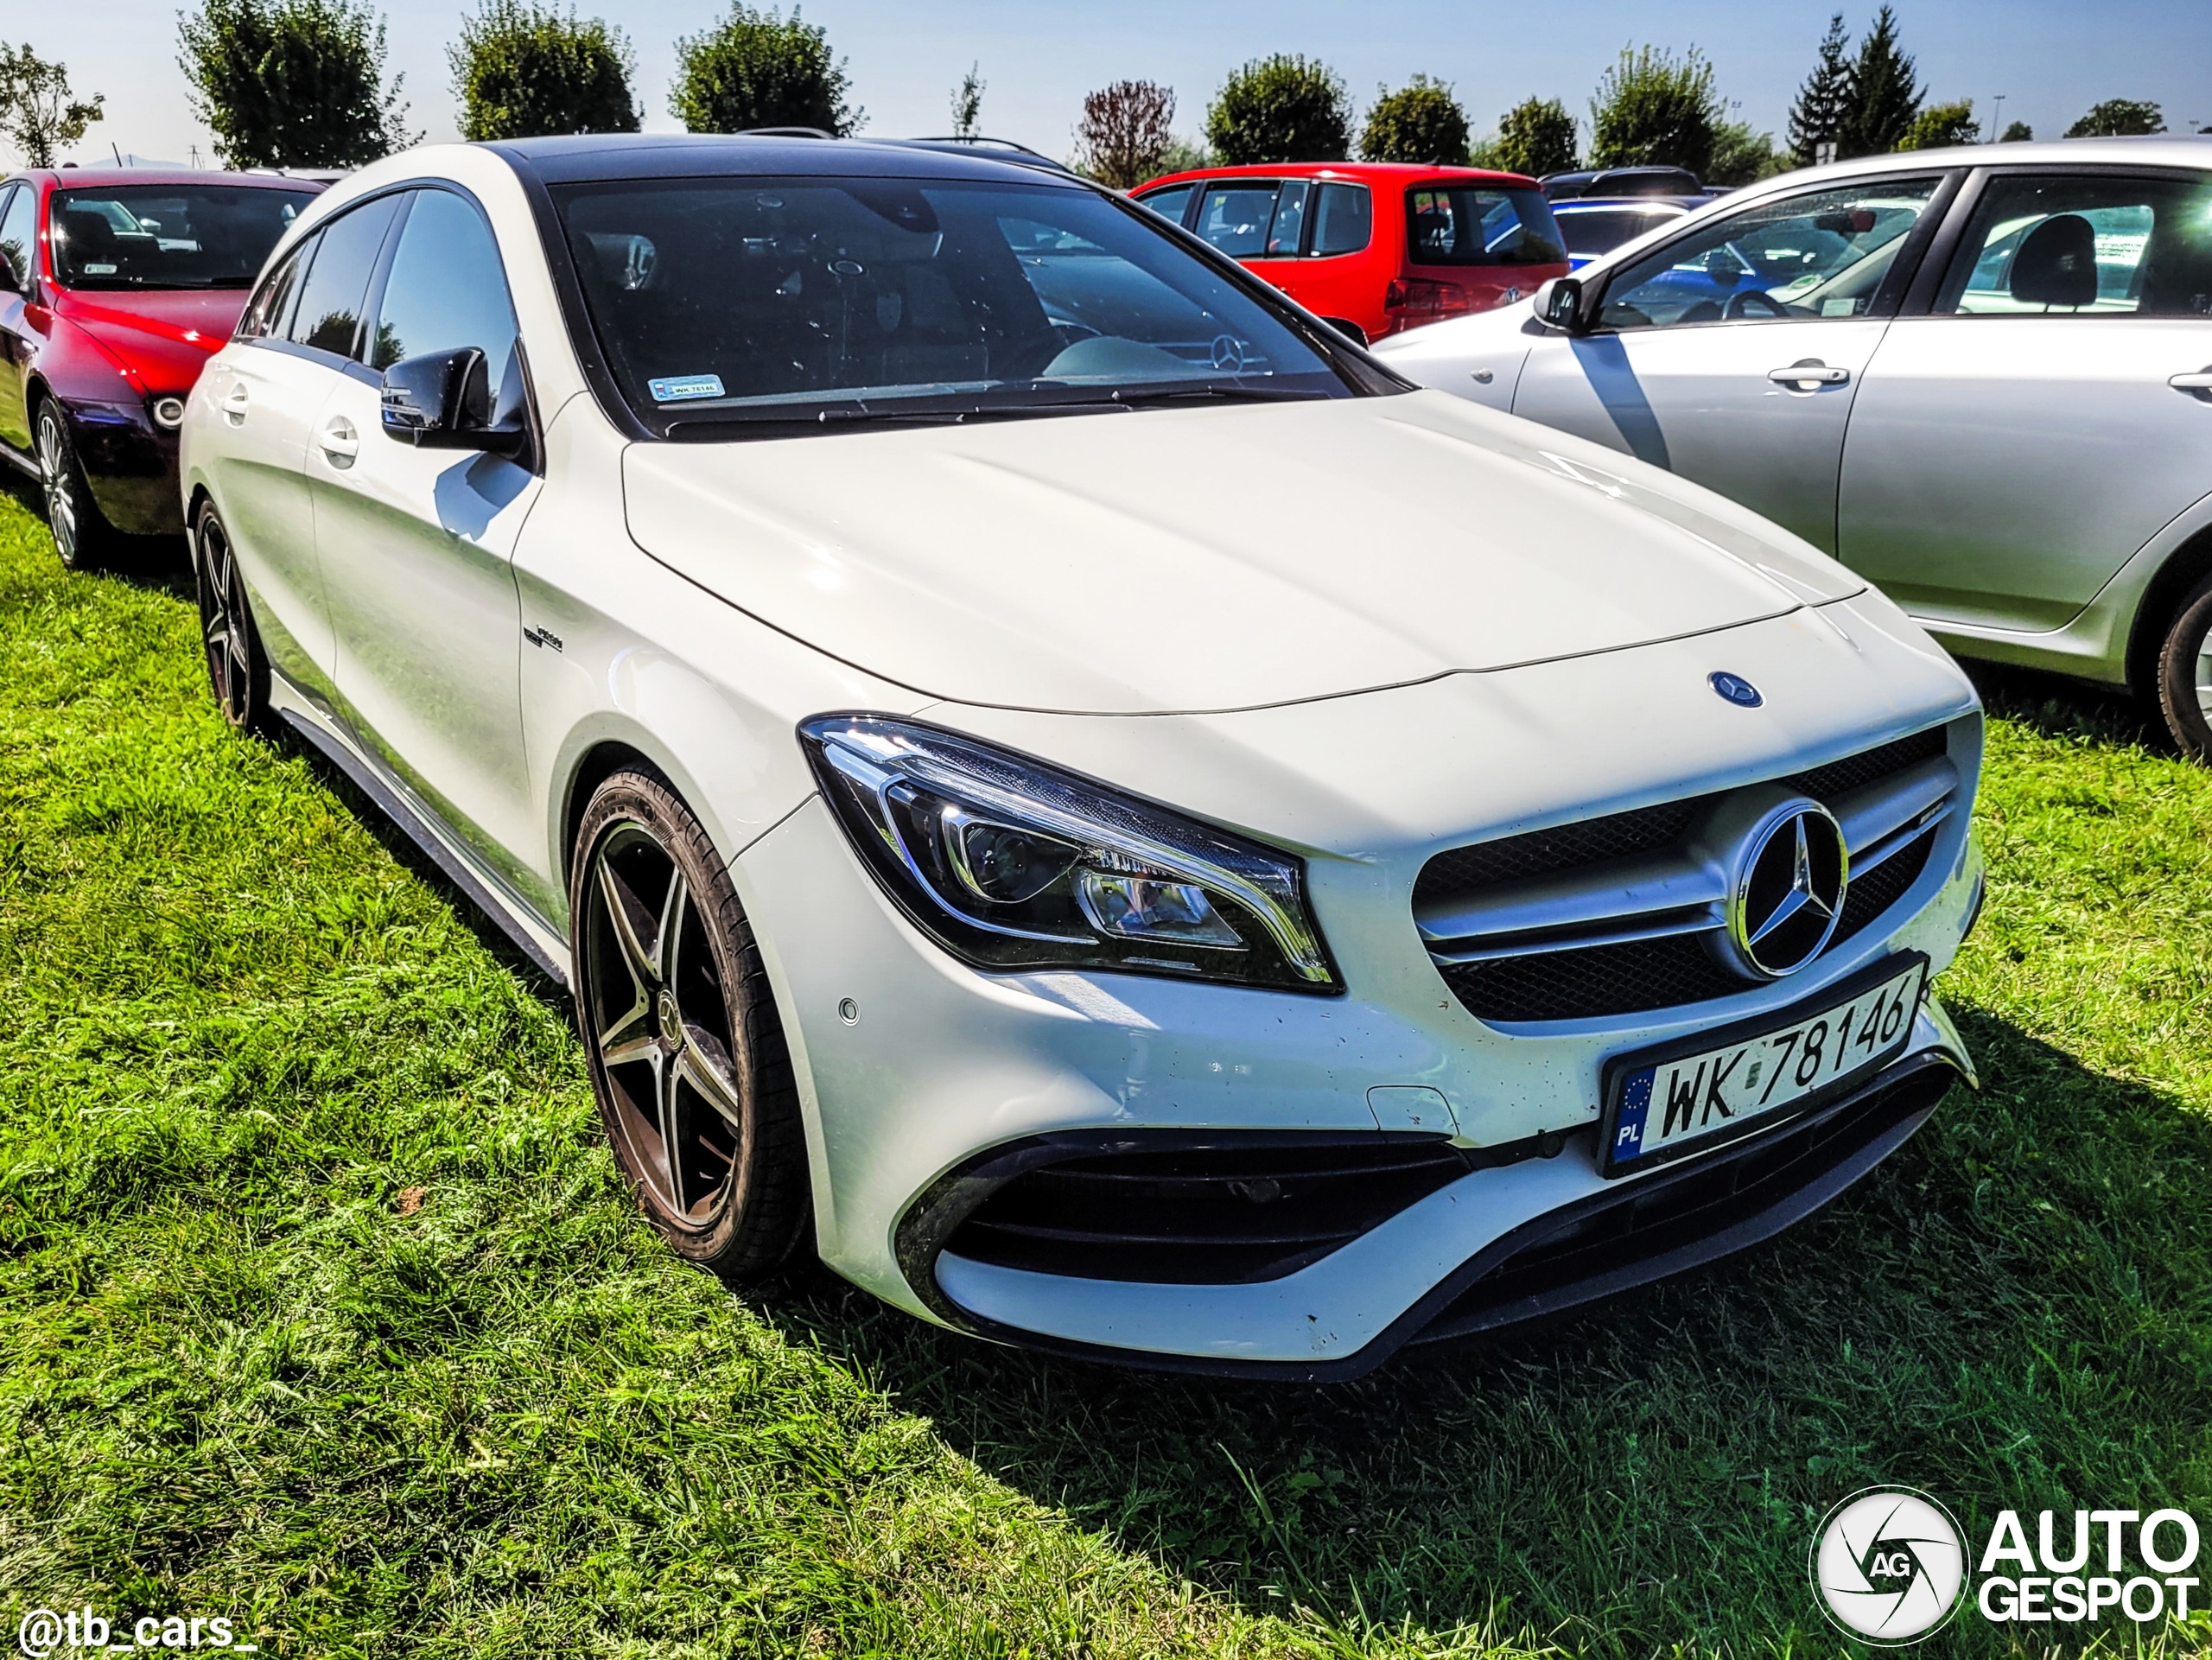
x=304 y=323
x=1340 y=276
x=1258 y=222
x=2051 y=410
x=1732 y=353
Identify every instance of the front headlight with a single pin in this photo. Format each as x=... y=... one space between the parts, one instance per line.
x=1012 y=864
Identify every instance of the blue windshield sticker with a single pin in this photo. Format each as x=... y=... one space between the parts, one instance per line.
x=675 y=388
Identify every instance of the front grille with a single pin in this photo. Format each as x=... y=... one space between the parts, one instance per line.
x=1575 y=971
x=1202 y=1215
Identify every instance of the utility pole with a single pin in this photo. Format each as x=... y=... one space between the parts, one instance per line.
x=1996 y=118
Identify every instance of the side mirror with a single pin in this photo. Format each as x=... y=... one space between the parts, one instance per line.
x=1561 y=306
x=10 y=283
x=443 y=400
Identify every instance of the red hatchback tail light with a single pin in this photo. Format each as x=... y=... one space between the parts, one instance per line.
x=1412 y=300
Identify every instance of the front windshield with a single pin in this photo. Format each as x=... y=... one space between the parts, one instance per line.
x=728 y=300
x=168 y=236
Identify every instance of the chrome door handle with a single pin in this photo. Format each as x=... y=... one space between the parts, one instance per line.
x=234 y=404
x=1817 y=374
x=339 y=441
x=2199 y=381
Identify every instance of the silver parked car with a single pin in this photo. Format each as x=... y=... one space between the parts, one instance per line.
x=1981 y=377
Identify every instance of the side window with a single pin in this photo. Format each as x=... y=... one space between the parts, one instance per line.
x=1289 y=228
x=2097 y=245
x=265 y=314
x=447 y=288
x=1823 y=254
x=329 y=314
x=1235 y=216
x=1169 y=203
x=19 y=231
x=1344 y=218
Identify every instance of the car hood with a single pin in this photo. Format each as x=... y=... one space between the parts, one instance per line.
x=1211 y=558
x=165 y=336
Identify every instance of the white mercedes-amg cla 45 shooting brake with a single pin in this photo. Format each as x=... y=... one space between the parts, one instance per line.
x=1061 y=784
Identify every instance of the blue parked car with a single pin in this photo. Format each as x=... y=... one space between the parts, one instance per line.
x=1592 y=227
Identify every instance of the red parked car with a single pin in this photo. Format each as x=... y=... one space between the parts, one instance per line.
x=115 y=286
x=1381 y=245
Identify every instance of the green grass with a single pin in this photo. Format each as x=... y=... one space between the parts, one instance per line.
x=321 y=1305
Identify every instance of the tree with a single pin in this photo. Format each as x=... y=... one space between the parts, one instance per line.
x=1419 y=122
x=755 y=70
x=1940 y=125
x=38 y=112
x=521 y=69
x=1741 y=156
x=1535 y=137
x=2017 y=132
x=968 y=104
x=1123 y=137
x=2117 y=117
x=292 y=83
x=1884 y=98
x=1184 y=156
x=1281 y=109
x=1817 y=116
x=1652 y=109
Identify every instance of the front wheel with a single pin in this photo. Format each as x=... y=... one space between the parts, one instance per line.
x=687 y=1056
x=81 y=534
x=2185 y=674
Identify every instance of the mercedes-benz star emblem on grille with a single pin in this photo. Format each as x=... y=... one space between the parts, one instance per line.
x=1786 y=892
x=1737 y=689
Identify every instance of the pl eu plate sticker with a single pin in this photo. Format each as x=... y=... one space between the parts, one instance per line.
x=675 y=389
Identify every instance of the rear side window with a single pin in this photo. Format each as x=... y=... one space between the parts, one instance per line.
x=1344 y=218
x=337 y=286
x=267 y=313
x=447 y=288
x=2097 y=245
x=1169 y=203
x=1481 y=225
x=1237 y=217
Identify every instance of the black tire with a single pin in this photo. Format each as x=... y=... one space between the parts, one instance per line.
x=82 y=535
x=2185 y=674
x=238 y=669
x=681 y=1033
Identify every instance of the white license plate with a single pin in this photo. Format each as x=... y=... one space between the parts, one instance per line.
x=1662 y=1107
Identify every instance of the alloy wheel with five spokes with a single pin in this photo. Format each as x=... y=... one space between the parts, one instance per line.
x=687 y=1059
x=237 y=673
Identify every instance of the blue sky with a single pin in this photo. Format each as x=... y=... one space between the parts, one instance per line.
x=2050 y=58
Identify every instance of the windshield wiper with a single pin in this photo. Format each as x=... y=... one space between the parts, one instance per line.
x=1231 y=393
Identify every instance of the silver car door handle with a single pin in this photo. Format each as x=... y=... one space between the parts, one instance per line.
x=1798 y=374
x=2199 y=381
x=234 y=403
x=340 y=441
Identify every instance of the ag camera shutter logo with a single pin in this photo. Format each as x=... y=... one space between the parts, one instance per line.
x=1888 y=1565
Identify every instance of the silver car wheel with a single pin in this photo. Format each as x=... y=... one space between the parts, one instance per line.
x=57 y=474
x=659 y=1020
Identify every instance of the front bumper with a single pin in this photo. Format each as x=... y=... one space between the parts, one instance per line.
x=912 y=1067
x=131 y=465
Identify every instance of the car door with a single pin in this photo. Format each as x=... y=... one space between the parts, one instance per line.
x=1731 y=354
x=1336 y=278
x=2052 y=410
x=1238 y=216
x=415 y=544
x=19 y=239
x=301 y=322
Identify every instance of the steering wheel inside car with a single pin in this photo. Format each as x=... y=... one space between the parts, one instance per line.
x=1739 y=304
